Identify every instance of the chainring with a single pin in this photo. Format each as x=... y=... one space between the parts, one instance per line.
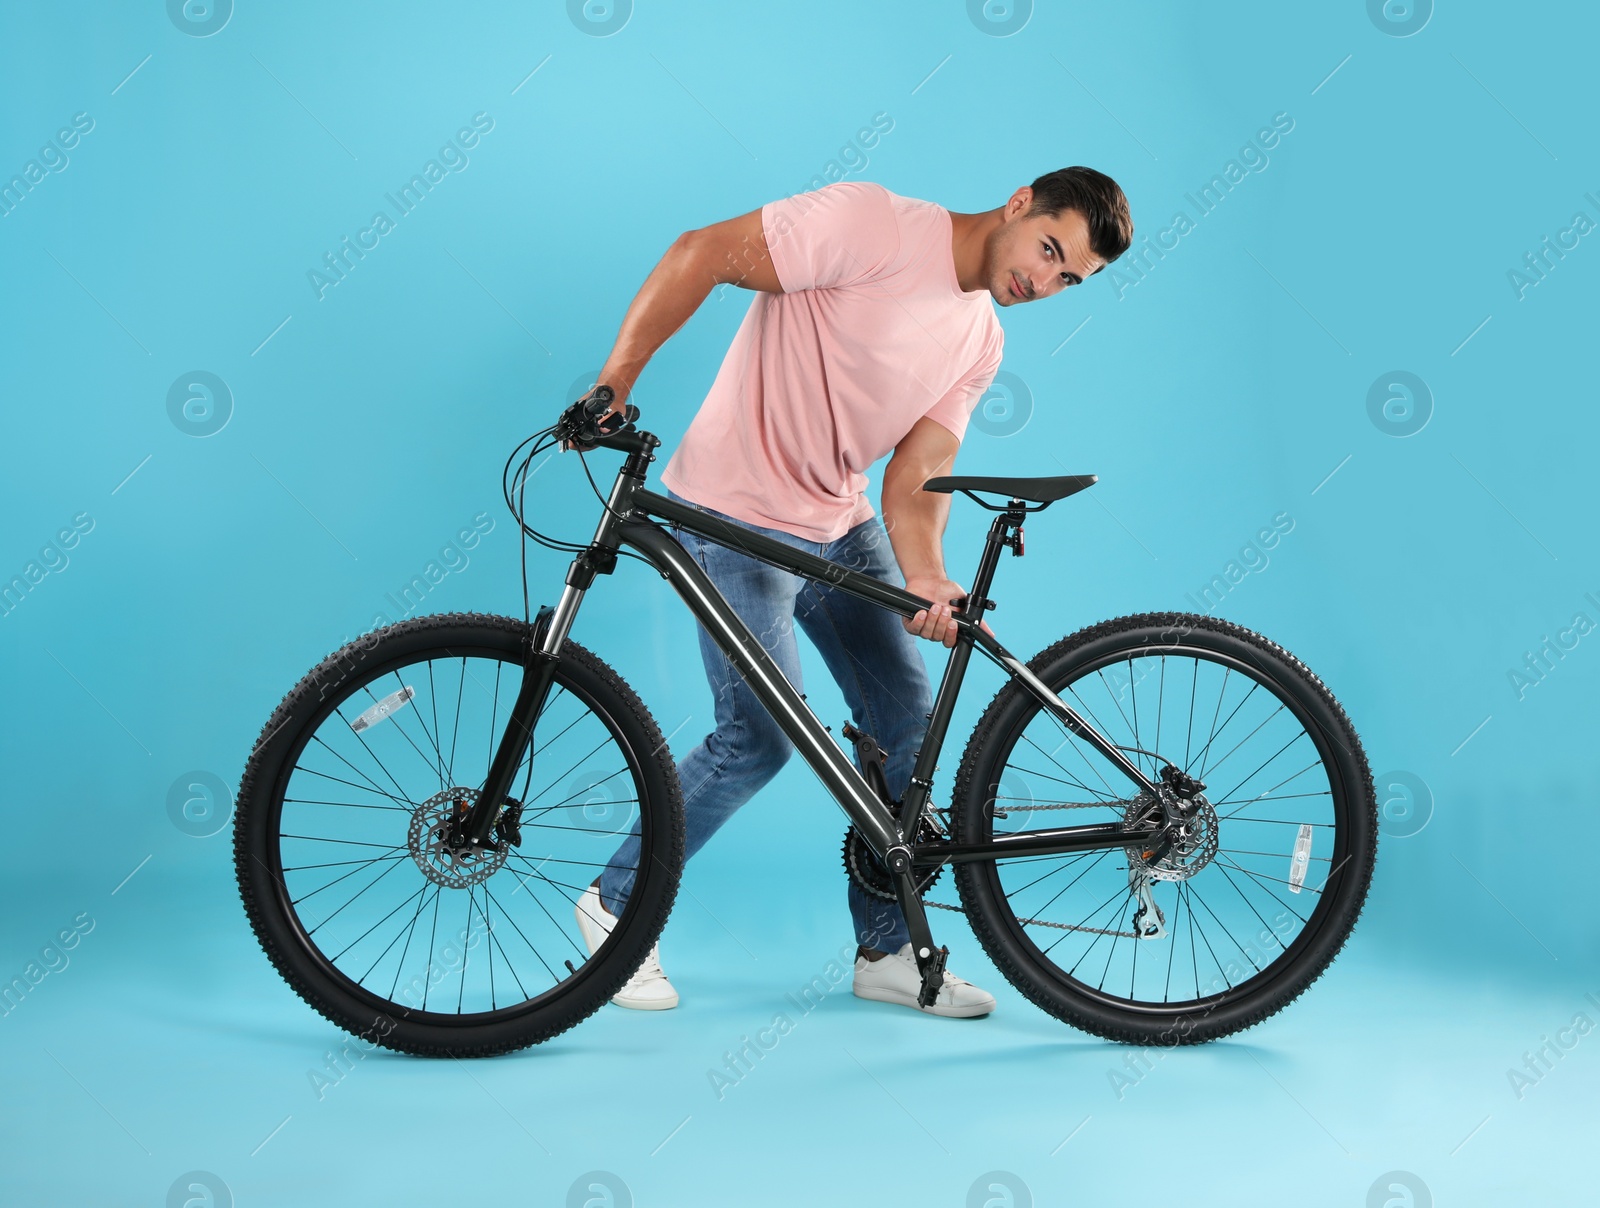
x=869 y=872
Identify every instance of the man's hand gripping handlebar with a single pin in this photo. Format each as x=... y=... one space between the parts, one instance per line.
x=584 y=424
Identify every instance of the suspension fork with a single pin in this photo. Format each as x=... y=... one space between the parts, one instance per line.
x=538 y=670
x=542 y=651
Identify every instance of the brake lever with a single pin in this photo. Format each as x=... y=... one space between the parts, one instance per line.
x=590 y=420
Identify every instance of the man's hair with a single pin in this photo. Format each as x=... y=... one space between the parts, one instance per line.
x=1094 y=195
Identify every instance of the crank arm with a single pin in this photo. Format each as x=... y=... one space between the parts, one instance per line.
x=930 y=960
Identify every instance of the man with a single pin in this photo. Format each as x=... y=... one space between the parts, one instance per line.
x=871 y=331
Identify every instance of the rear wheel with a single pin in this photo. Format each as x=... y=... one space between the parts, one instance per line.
x=371 y=918
x=1255 y=903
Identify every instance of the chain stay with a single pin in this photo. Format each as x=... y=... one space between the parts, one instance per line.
x=1057 y=805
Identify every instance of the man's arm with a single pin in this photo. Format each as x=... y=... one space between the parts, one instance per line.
x=732 y=252
x=916 y=519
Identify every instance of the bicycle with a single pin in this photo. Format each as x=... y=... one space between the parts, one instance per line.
x=1101 y=922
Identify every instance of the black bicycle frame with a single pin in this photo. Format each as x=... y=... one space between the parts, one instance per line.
x=627 y=522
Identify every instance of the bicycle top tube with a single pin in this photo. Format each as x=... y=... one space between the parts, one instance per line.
x=809 y=566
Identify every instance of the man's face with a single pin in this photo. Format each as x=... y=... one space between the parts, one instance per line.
x=1027 y=258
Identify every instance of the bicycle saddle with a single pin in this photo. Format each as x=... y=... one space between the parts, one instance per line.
x=1034 y=490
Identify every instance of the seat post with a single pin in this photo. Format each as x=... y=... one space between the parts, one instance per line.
x=999 y=537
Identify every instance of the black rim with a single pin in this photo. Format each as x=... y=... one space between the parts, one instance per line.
x=1234 y=925
x=351 y=888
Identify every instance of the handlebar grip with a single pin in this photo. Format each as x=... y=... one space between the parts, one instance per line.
x=599 y=400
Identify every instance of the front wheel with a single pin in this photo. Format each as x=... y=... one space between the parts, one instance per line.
x=379 y=923
x=1230 y=925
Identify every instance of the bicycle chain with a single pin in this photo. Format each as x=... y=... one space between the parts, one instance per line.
x=1132 y=935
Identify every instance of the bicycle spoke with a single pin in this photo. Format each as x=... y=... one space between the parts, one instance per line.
x=1217 y=733
x=410 y=932
x=1161 y=695
x=455 y=728
x=330 y=864
x=1115 y=902
x=1102 y=677
x=438 y=755
x=336 y=913
x=495 y=940
x=1261 y=882
x=465 y=930
x=1269 y=796
x=1172 y=948
x=1265 y=926
x=420 y=896
x=1024 y=888
x=422 y=889
x=1212 y=770
x=1222 y=926
x=1067 y=734
x=360 y=865
x=433 y=704
x=1133 y=707
x=557 y=779
x=1076 y=784
x=346 y=842
x=1215 y=713
x=433 y=935
x=1196 y=925
x=1188 y=729
x=347 y=804
x=534 y=872
x=494 y=717
x=380 y=791
x=1273 y=855
x=1238 y=821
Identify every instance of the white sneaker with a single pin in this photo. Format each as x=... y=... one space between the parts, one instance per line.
x=894 y=978
x=648 y=989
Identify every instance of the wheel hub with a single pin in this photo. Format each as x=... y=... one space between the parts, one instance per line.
x=1194 y=843
x=454 y=866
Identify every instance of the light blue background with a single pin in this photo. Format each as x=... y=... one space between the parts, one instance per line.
x=1228 y=385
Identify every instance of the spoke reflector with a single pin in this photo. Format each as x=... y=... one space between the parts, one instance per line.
x=1301 y=860
x=381 y=710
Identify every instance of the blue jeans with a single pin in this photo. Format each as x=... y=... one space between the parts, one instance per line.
x=867 y=650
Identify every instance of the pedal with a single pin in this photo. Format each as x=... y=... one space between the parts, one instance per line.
x=932 y=975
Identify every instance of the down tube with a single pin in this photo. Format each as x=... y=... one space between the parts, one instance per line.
x=766 y=680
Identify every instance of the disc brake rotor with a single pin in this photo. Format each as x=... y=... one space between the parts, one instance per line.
x=1193 y=846
x=428 y=839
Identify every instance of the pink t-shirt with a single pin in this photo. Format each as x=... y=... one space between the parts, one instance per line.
x=871 y=333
